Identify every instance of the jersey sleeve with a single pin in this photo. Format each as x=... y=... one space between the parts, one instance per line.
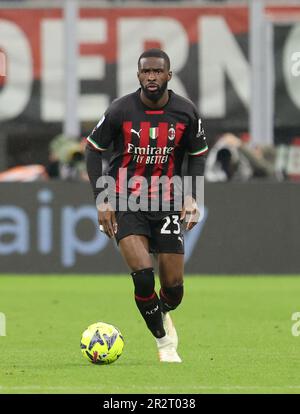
x=105 y=131
x=196 y=140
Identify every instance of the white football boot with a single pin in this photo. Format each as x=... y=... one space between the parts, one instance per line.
x=170 y=328
x=166 y=350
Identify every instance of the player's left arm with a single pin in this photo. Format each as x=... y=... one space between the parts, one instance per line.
x=197 y=148
x=190 y=211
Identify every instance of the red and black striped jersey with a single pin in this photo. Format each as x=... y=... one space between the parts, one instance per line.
x=148 y=143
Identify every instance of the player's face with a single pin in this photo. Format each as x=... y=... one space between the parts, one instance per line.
x=154 y=76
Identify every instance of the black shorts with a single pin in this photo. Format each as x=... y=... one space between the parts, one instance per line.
x=164 y=230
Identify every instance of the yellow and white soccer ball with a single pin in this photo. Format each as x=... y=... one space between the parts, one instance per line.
x=102 y=343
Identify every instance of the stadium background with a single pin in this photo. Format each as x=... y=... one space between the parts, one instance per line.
x=53 y=91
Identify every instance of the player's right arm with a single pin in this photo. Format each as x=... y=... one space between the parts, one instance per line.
x=106 y=214
x=97 y=142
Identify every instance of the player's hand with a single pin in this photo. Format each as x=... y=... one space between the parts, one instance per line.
x=190 y=212
x=107 y=219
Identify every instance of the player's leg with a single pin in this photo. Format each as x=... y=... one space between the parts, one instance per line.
x=135 y=251
x=167 y=238
x=171 y=292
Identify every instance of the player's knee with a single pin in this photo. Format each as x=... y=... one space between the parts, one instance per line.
x=171 y=297
x=143 y=282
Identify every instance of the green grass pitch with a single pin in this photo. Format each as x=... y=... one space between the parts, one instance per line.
x=235 y=336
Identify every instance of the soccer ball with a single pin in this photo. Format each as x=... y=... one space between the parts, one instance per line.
x=101 y=343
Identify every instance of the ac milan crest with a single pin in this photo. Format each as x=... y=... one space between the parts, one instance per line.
x=171 y=133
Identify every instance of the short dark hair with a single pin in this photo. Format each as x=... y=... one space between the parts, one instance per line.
x=155 y=52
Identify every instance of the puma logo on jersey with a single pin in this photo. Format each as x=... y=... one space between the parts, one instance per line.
x=136 y=132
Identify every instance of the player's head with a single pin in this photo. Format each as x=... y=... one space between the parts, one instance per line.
x=154 y=73
x=155 y=53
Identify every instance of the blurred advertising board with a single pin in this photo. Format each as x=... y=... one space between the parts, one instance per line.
x=247 y=228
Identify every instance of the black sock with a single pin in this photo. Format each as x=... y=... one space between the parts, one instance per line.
x=147 y=300
x=170 y=297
